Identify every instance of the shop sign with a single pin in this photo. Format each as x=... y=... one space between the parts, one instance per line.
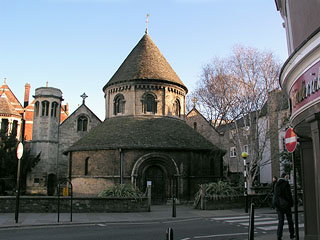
x=306 y=88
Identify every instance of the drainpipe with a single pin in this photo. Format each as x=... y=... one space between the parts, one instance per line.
x=121 y=165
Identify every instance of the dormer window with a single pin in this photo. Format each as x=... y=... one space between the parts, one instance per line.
x=82 y=125
x=118 y=104
x=149 y=103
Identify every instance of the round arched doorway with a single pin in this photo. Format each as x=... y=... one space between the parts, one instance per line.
x=162 y=171
x=157 y=177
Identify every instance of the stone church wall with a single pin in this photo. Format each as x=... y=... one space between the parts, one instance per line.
x=194 y=168
x=166 y=95
x=68 y=134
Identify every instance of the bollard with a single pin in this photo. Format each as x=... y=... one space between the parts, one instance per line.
x=169 y=234
x=251 y=223
x=58 y=203
x=149 y=197
x=174 y=211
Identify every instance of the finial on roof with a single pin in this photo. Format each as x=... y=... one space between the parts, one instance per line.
x=47 y=84
x=194 y=100
x=84 y=96
x=5 y=81
x=147 y=21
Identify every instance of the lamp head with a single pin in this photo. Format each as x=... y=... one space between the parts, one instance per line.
x=244 y=155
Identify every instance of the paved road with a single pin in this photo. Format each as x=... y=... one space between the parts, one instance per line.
x=218 y=228
x=183 y=229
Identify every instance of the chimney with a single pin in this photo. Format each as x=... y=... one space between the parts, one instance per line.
x=26 y=94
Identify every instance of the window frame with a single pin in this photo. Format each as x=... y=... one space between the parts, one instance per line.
x=45 y=108
x=233 y=152
x=82 y=123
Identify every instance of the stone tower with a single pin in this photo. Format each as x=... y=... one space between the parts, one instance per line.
x=45 y=140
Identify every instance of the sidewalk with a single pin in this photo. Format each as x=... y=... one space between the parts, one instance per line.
x=158 y=213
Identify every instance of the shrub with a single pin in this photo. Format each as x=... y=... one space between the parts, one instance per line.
x=122 y=191
x=216 y=191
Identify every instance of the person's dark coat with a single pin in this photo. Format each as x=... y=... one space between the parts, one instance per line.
x=282 y=195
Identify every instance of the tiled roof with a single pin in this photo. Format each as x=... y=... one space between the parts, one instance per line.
x=6 y=108
x=143 y=133
x=145 y=62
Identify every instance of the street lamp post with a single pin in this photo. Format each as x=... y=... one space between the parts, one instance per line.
x=244 y=155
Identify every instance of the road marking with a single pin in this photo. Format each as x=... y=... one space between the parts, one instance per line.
x=226 y=218
x=183 y=220
x=186 y=239
x=256 y=219
x=101 y=225
x=222 y=235
x=301 y=225
x=261 y=223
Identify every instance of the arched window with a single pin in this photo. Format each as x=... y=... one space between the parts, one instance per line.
x=45 y=108
x=195 y=125
x=36 y=108
x=82 y=124
x=118 y=104
x=177 y=108
x=149 y=104
x=54 y=107
x=86 y=166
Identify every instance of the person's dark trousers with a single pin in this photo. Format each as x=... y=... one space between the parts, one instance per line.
x=281 y=214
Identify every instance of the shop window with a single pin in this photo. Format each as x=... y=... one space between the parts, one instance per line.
x=45 y=108
x=118 y=104
x=82 y=124
x=54 y=107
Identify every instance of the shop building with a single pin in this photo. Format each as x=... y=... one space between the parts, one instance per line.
x=300 y=80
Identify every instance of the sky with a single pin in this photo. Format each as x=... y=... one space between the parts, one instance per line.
x=77 y=45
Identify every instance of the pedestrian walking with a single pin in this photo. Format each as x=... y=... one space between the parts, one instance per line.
x=283 y=202
x=274 y=182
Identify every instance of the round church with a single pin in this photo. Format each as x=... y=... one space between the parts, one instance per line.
x=144 y=137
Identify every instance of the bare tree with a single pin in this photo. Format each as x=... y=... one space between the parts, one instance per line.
x=232 y=92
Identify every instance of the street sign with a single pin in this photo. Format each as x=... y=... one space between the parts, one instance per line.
x=290 y=140
x=19 y=151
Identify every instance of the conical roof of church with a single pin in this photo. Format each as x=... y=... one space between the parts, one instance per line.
x=145 y=62
x=131 y=132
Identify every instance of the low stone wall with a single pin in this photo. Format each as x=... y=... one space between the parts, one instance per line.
x=79 y=204
x=224 y=203
x=238 y=202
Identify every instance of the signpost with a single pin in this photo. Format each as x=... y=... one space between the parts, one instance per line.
x=291 y=144
x=290 y=140
x=19 y=156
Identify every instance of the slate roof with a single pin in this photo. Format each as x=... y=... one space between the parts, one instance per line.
x=129 y=132
x=145 y=62
x=6 y=108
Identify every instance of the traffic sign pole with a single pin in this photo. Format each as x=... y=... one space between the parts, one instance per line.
x=19 y=156
x=291 y=143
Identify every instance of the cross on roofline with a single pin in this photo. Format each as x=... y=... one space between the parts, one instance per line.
x=194 y=100
x=147 y=21
x=84 y=96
